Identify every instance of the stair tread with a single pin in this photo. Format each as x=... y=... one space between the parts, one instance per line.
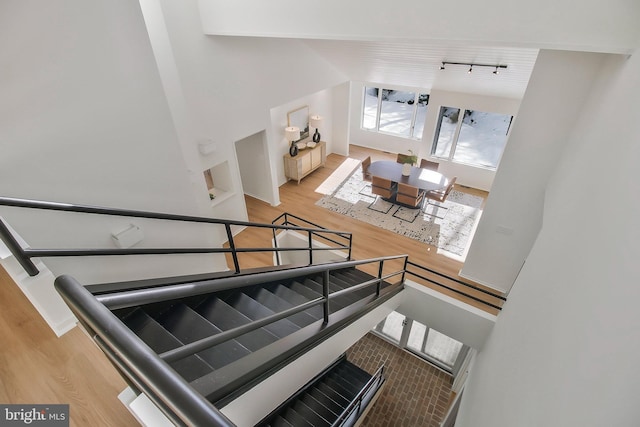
x=319 y=408
x=293 y=417
x=333 y=394
x=226 y=317
x=327 y=401
x=189 y=326
x=255 y=311
x=161 y=340
x=294 y=297
x=309 y=414
x=277 y=304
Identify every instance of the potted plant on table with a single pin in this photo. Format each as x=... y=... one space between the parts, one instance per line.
x=409 y=161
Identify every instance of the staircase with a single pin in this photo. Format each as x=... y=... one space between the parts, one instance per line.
x=336 y=397
x=192 y=344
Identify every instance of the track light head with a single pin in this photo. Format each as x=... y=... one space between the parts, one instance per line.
x=496 y=71
x=470 y=69
x=442 y=66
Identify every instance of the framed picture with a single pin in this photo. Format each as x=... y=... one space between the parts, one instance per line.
x=300 y=118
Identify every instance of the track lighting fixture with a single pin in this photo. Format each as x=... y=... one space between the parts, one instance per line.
x=471 y=65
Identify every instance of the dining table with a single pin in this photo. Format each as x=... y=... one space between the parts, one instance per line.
x=424 y=179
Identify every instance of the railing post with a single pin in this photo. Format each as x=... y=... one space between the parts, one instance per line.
x=379 y=285
x=232 y=246
x=310 y=247
x=404 y=268
x=17 y=251
x=325 y=294
x=350 y=246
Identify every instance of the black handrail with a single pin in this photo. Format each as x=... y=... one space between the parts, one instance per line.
x=124 y=299
x=24 y=255
x=468 y=285
x=285 y=219
x=356 y=404
x=174 y=392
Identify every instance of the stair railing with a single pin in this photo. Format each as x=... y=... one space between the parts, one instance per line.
x=358 y=404
x=421 y=272
x=342 y=240
x=24 y=255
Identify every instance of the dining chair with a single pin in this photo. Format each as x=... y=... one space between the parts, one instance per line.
x=402 y=158
x=410 y=197
x=441 y=194
x=382 y=188
x=428 y=164
x=366 y=175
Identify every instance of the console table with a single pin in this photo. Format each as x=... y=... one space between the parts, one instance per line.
x=305 y=162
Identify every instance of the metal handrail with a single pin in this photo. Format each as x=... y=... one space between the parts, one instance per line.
x=356 y=403
x=24 y=255
x=458 y=291
x=138 y=297
x=285 y=218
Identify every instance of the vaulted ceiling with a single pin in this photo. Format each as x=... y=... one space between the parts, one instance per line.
x=417 y=65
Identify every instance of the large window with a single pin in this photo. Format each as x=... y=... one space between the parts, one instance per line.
x=477 y=138
x=396 y=112
x=431 y=345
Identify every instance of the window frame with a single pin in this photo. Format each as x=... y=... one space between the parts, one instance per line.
x=414 y=114
x=456 y=135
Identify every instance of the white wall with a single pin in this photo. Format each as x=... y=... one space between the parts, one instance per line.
x=253 y=161
x=341 y=119
x=85 y=120
x=512 y=217
x=564 y=351
x=593 y=26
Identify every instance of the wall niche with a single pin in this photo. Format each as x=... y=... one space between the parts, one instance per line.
x=218 y=180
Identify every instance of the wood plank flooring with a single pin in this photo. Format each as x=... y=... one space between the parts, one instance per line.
x=37 y=367
x=368 y=241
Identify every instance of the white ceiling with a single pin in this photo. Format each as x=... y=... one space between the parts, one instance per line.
x=417 y=65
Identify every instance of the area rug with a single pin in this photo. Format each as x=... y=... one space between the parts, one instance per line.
x=449 y=226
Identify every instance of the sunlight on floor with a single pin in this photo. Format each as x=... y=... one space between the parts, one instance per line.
x=338 y=176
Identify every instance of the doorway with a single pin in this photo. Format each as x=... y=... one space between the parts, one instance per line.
x=254 y=166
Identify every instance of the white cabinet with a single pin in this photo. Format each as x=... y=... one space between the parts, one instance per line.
x=305 y=162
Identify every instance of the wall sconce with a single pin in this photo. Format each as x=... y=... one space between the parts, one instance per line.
x=471 y=65
x=315 y=121
x=292 y=133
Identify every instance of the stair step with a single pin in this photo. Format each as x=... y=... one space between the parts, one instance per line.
x=226 y=317
x=335 y=395
x=355 y=371
x=310 y=415
x=254 y=310
x=295 y=419
x=189 y=326
x=319 y=408
x=278 y=304
x=295 y=298
x=326 y=400
x=281 y=422
x=161 y=340
x=346 y=381
x=336 y=303
x=339 y=388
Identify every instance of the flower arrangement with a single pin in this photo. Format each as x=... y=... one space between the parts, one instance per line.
x=412 y=159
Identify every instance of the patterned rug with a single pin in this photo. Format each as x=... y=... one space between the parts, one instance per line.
x=449 y=226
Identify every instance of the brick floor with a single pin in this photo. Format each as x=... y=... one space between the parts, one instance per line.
x=415 y=393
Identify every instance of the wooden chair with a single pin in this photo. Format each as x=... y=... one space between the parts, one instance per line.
x=428 y=164
x=366 y=175
x=402 y=158
x=384 y=188
x=442 y=194
x=409 y=195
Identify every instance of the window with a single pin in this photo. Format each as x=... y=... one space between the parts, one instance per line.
x=431 y=345
x=478 y=139
x=395 y=112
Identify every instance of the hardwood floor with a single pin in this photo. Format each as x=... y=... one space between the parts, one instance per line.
x=37 y=367
x=368 y=241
